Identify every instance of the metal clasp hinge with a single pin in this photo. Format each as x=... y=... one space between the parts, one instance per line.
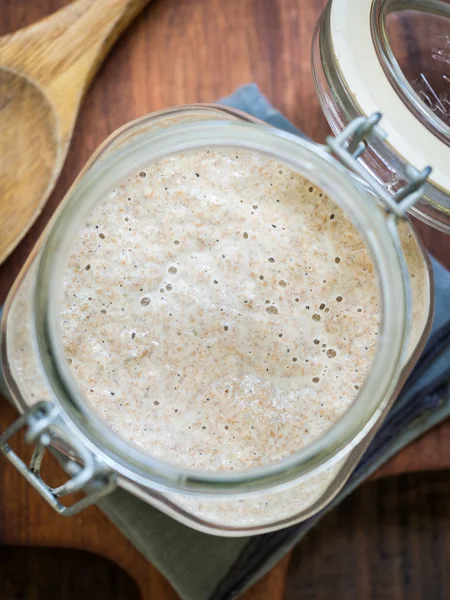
x=349 y=146
x=44 y=423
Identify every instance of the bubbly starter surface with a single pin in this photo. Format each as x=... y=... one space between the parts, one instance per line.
x=219 y=311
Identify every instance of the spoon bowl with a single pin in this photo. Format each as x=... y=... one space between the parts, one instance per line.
x=29 y=153
x=45 y=70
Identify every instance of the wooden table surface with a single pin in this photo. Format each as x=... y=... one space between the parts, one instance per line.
x=180 y=51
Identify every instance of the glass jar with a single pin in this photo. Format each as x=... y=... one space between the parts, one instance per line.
x=391 y=56
x=226 y=503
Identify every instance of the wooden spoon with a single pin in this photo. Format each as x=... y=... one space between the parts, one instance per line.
x=45 y=69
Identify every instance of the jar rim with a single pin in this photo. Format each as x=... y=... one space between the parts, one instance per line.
x=311 y=161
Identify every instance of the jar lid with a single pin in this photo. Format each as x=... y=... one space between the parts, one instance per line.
x=393 y=56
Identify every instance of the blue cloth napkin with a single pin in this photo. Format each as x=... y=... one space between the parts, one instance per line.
x=205 y=567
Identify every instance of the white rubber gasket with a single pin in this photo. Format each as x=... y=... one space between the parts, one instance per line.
x=358 y=61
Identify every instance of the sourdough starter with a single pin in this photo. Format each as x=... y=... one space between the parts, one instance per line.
x=219 y=311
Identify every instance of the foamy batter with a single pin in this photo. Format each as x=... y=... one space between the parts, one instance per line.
x=219 y=310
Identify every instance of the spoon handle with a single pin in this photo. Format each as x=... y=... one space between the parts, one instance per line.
x=62 y=53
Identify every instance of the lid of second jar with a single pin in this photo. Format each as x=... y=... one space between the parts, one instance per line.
x=394 y=57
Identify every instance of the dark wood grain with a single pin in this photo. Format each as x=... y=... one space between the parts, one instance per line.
x=179 y=51
x=61 y=574
x=389 y=540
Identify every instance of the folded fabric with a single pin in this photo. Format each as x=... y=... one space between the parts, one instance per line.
x=205 y=567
